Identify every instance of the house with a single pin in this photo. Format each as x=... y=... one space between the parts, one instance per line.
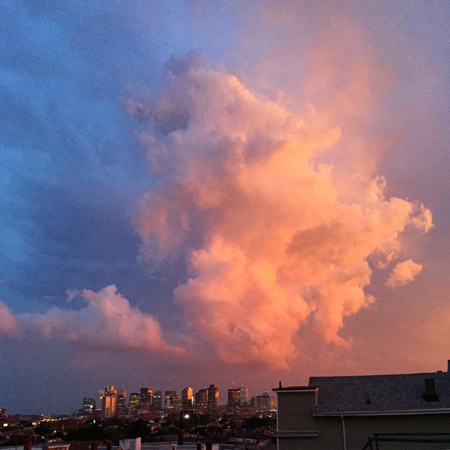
x=333 y=413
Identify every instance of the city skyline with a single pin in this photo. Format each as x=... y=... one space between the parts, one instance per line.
x=137 y=400
x=223 y=192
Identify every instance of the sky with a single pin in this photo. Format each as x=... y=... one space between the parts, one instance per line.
x=197 y=192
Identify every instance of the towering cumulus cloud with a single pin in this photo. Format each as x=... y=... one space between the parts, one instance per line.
x=269 y=238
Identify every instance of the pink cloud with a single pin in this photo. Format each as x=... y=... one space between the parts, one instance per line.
x=403 y=273
x=108 y=321
x=8 y=325
x=273 y=238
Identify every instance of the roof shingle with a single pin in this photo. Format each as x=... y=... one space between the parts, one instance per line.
x=380 y=393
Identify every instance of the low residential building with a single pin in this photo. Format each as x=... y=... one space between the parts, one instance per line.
x=333 y=413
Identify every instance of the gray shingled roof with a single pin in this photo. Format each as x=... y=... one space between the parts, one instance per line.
x=380 y=393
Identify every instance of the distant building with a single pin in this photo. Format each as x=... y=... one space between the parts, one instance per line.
x=244 y=396
x=343 y=412
x=146 y=400
x=187 y=398
x=171 y=400
x=134 y=403
x=213 y=397
x=5 y=421
x=234 y=398
x=121 y=402
x=263 y=402
x=201 y=399
x=109 y=402
x=101 y=396
x=157 y=401
x=177 y=402
x=273 y=403
x=89 y=404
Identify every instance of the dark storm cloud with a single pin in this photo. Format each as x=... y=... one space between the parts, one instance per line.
x=70 y=169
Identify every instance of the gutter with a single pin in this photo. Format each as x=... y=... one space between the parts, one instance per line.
x=406 y=412
x=344 y=439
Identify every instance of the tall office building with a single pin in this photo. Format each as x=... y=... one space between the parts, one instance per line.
x=158 y=401
x=263 y=402
x=234 y=398
x=187 y=398
x=101 y=396
x=201 y=399
x=146 y=398
x=121 y=402
x=177 y=402
x=109 y=402
x=273 y=403
x=244 y=396
x=134 y=403
x=172 y=400
x=213 y=397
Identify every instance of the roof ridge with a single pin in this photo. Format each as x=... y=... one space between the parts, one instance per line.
x=378 y=375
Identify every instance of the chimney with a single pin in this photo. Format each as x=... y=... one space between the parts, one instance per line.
x=430 y=391
x=28 y=444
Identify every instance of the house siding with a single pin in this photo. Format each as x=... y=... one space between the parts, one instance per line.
x=295 y=414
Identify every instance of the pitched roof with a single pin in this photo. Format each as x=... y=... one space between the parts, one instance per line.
x=294 y=388
x=380 y=393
